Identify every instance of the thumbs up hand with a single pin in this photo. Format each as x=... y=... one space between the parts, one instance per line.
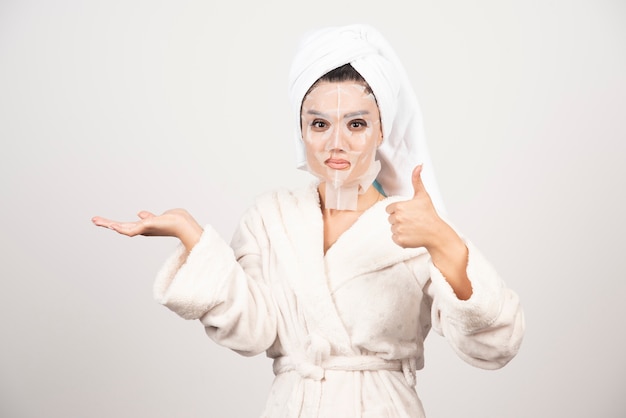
x=415 y=222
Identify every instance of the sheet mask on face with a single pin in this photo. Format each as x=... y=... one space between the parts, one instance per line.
x=341 y=132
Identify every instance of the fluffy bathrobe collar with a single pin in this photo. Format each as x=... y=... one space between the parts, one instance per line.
x=294 y=223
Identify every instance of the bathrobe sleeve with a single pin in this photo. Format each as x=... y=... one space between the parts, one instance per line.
x=487 y=329
x=224 y=287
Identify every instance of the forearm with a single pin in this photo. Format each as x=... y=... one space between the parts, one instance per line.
x=449 y=254
x=189 y=234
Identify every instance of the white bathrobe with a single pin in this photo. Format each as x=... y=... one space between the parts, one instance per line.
x=346 y=328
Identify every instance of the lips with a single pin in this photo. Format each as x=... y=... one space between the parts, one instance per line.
x=337 y=163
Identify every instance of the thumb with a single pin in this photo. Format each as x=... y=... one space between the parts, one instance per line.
x=144 y=214
x=416 y=179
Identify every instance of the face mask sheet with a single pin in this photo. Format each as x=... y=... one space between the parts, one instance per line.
x=345 y=197
x=341 y=132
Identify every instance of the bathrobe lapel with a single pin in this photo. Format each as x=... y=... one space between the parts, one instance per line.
x=294 y=225
x=365 y=247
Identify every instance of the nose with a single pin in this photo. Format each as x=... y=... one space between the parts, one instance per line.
x=338 y=141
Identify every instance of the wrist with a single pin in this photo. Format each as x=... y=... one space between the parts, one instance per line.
x=444 y=241
x=189 y=233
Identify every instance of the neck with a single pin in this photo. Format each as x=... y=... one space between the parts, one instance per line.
x=364 y=202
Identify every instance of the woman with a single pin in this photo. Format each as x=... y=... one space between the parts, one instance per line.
x=338 y=282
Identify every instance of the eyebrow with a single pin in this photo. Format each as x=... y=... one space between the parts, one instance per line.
x=357 y=113
x=348 y=115
x=315 y=113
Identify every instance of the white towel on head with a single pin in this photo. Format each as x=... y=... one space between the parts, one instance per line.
x=404 y=142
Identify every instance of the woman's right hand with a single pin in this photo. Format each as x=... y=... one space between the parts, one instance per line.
x=172 y=223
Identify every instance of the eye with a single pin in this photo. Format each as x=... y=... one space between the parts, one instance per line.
x=357 y=124
x=319 y=124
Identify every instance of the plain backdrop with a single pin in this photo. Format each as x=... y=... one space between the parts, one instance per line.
x=109 y=107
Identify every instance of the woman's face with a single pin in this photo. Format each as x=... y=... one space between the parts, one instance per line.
x=341 y=131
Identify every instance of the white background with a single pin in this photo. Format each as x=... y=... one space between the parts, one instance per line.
x=109 y=107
